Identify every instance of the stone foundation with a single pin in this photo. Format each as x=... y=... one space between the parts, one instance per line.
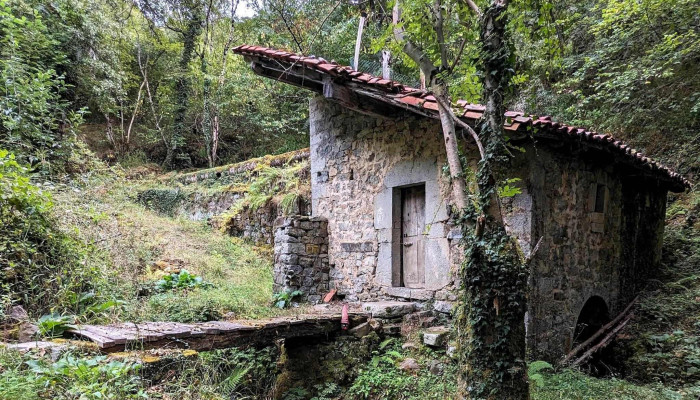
x=301 y=256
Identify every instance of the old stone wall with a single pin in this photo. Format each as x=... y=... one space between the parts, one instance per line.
x=210 y=195
x=301 y=257
x=587 y=249
x=599 y=226
x=357 y=165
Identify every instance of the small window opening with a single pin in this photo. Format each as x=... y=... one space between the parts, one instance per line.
x=600 y=199
x=352 y=174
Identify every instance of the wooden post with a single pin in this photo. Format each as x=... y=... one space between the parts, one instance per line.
x=386 y=71
x=358 y=41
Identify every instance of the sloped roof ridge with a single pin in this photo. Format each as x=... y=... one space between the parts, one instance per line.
x=424 y=101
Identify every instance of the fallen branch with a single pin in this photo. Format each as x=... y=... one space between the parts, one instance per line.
x=606 y=340
x=599 y=333
x=529 y=259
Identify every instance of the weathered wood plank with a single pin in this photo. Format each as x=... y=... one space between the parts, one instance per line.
x=141 y=333
x=117 y=336
x=99 y=339
x=210 y=335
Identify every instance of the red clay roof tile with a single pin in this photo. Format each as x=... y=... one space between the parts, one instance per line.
x=472 y=111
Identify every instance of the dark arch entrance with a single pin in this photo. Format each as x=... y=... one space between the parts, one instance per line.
x=592 y=317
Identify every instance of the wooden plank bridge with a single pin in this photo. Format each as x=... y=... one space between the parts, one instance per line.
x=208 y=335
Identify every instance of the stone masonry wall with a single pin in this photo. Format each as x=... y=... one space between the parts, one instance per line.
x=585 y=253
x=258 y=225
x=357 y=162
x=301 y=256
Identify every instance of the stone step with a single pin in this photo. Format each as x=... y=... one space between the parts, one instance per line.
x=388 y=309
x=436 y=336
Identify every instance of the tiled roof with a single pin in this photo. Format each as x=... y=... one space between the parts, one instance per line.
x=422 y=102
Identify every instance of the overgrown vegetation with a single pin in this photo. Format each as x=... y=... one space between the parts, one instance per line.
x=283 y=186
x=663 y=343
x=156 y=82
x=40 y=266
x=135 y=248
x=73 y=376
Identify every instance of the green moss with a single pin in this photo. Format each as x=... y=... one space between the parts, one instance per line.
x=163 y=200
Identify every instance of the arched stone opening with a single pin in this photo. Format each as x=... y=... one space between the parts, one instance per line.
x=592 y=317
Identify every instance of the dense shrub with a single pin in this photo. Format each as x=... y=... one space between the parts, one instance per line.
x=40 y=266
x=37 y=122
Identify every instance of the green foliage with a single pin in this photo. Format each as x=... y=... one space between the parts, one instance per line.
x=283 y=185
x=163 y=200
x=617 y=66
x=535 y=369
x=664 y=344
x=89 y=378
x=53 y=325
x=296 y=394
x=381 y=378
x=508 y=189
x=181 y=280
x=36 y=122
x=284 y=299
x=327 y=391
x=71 y=377
x=225 y=374
x=40 y=266
x=574 y=385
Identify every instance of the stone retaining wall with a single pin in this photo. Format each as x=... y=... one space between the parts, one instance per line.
x=301 y=256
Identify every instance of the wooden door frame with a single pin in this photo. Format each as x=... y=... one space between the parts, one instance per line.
x=397 y=219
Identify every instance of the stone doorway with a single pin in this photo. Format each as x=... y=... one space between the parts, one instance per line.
x=412 y=236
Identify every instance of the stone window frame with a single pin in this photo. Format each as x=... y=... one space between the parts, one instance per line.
x=597 y=218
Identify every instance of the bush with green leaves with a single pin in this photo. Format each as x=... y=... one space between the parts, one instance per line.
x=75 y=377
x=71 y=377
x=181 y=280
x=37 y=122
x=53 y=325
x=40 y=266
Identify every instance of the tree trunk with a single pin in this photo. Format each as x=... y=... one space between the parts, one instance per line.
x=490 y=323
x=459 y=185
x=182 y=85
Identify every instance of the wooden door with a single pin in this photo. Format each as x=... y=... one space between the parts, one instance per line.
x=413 y=242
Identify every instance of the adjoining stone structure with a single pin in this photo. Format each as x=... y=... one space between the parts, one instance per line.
x=209 y=195
x=301 y=256
x=595 y=206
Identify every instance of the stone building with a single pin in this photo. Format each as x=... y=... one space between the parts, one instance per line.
x=378 y=178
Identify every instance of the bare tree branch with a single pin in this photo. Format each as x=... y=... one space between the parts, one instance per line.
x=459 y=55
x=464 y=126
x=440 y=34
x=474 y=7
x=287 y=25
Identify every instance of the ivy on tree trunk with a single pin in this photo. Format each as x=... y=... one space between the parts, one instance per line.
x=182 y=85
x=490 y=324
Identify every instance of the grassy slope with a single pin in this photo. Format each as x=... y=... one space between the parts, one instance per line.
x=663 y=341
x=129 y=239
